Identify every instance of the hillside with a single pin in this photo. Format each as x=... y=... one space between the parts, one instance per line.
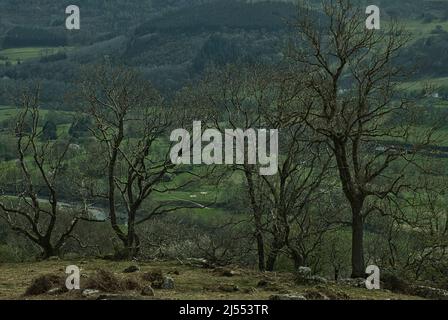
x=173 y=42
x=191 y=283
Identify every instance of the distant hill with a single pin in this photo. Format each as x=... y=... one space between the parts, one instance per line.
x=32 y=37
x=173 y=41
x=222 y=15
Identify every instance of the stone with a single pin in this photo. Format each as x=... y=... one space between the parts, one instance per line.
x=56 y=291
x=304 y=272
x=228 y=288
x=131 y=269
x=304 y=276
x=88 y=293
x=284 y=297
x=430 y=293
x=148 y=291
x=198 y=262
x=168 y=283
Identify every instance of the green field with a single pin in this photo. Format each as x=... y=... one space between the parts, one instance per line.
x=420 y=29
x=9 y=112
x=435 y=83
x=16 y=55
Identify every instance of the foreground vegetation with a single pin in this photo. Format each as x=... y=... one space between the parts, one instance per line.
x=191 y=283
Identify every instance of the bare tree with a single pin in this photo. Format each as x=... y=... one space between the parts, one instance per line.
x=262 y=97
x=131 y=121
x=352 y=84
x=289 y=197
x=222 y=100
x=41 y=166
x=417 y=230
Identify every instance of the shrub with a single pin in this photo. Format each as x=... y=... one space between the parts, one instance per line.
x=43 y=284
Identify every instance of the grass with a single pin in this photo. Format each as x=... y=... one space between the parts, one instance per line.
x=14 y=55
x=418 y=85
x=200 y=197
x=191 y=283
x=420 y=29
x=9 y=112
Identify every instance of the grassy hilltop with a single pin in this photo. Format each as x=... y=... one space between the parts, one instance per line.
x=191 y=283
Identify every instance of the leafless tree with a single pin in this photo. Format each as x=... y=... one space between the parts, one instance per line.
x=262 y=97
x=354 y=106
x=417 y=231
x=41 y=166
x=131 y=124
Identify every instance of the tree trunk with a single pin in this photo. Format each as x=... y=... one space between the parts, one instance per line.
x=358 y=266
x=260 y=250
x=273 y=255
x=131 y=246
x=257 y=219
x=336 y=274
x=356 y=202
x=272 y=258
x=297 y=258
x=48 y=251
